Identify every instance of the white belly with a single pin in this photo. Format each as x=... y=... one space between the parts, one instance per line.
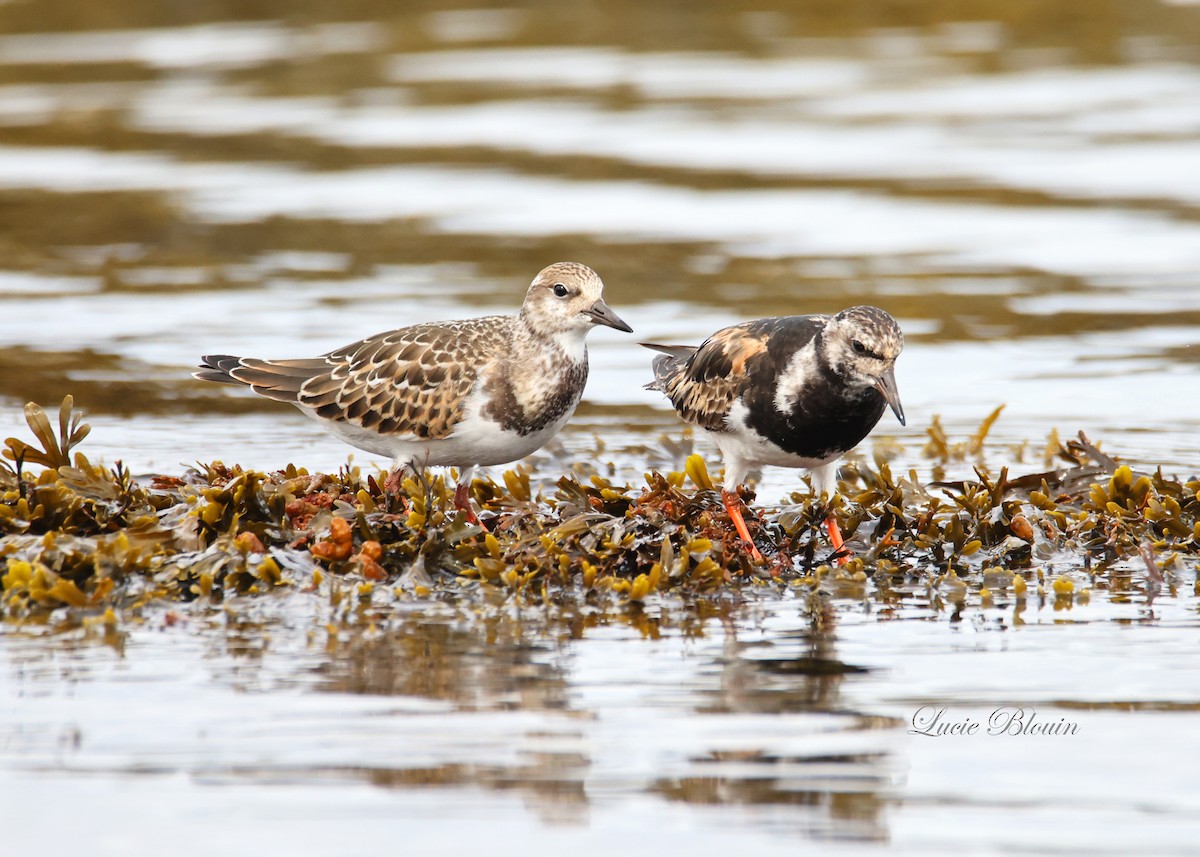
x=756 y=452
x=476 y=440
x=743 y=449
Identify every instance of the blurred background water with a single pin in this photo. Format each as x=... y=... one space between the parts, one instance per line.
x=1017 y=182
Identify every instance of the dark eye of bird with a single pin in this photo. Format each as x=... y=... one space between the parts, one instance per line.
x=858 y=347
x=560 y=290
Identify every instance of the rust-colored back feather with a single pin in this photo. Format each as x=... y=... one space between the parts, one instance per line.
x=703 y=383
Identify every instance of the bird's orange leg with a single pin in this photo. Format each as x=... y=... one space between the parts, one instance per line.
x=462 y=501
x=733 y=506
x=835 y=538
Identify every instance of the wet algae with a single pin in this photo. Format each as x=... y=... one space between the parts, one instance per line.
x=84 y=543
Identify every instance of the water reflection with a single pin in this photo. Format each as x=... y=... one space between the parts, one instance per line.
x=486 y=668
x=738 y=722
x=841 y=786
x=785 y=718
x=494 y=664
x=510 y=706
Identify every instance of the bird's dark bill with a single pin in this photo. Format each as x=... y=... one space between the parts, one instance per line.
x=886 y=384
x=601 y=314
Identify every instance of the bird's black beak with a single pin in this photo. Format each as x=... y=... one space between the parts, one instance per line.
x=886 y=384
x=601 y=314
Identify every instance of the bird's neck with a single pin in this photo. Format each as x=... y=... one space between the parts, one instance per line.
x=530 y=343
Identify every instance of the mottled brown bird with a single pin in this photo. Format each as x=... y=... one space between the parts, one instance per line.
x=470 y=393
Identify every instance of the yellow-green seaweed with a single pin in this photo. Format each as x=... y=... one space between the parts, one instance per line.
x=87 y=539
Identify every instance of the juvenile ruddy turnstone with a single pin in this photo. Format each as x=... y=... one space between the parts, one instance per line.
x=796 y=391
x=467 y=393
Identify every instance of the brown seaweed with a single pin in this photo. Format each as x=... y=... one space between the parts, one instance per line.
x=92 y=541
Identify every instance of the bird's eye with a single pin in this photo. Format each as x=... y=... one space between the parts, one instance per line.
x=560 y=290
x=858 y=347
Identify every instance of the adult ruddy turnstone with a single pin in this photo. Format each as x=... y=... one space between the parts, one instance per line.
x=467 y=393
x=796 y=391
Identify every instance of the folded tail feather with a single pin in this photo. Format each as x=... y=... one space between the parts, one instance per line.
x=216 y=367
x=668 y=364
x=280 y=380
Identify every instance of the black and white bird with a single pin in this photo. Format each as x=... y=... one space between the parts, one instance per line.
x=795 y=391
x=478 y=392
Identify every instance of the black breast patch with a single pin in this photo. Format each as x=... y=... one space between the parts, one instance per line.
x=828 y=418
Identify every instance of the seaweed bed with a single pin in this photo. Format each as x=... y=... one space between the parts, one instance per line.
x=84 y=544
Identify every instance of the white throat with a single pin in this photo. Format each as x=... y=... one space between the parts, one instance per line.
x=573 y=342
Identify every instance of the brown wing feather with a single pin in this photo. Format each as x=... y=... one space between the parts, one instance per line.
x=704 y=385
x=710 y=381
x=412 y=381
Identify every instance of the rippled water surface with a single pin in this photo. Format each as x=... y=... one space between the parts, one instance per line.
x=1018 y=184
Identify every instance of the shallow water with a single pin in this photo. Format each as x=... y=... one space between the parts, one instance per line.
x=477 y=726
x=1021 y=189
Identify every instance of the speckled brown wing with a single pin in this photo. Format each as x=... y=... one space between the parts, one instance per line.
x=704 y=384
x=413 y=381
